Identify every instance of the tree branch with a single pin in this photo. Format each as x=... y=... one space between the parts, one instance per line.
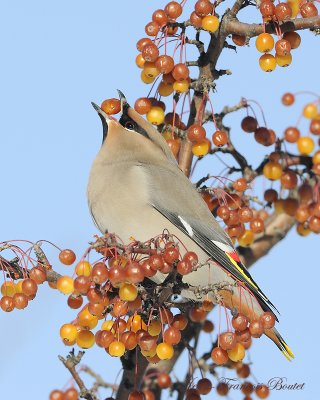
x=234 y=26
x=70 y=363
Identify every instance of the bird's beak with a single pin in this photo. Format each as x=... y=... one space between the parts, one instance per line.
x=123 y=100
x=104 y=118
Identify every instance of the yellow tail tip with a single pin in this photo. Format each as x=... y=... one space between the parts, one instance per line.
x=288 y=350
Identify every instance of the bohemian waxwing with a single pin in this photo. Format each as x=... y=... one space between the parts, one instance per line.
x=136 y=189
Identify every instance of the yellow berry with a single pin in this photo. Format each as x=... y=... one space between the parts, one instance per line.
x=135 y=323
x=83 y=268
x=8 y=289
x=246 y=239
x=267 y=62
x=316 y=157
x=117 y=349
x=150 y=70
x=264 y=42
x=154 y=327
x=146 y=79
x=210 y=23
x=165 y=89
x=181 y=86
x=237 y=353
x=108 y=326
x=302 y=230
x=65 y=285
x=201 y=148
x=128 y=292
x=140 y=61
x=165 y=351
x=272 y=170
x=155 y=116
x=284 y=61
x=85 y=339
x=87 y=320
x=294 y=4
x=305 y=145
x=19 y=286
x=68 y=333
x=310 y=111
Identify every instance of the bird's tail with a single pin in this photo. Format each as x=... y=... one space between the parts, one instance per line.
x=275 y=336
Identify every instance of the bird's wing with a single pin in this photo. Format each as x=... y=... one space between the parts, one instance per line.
x=172 y=195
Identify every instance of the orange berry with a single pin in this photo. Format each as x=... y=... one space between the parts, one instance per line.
x=210 y=23
x=164 y=351
x=111 y=106
x=67 y=257
x=264 y=42
x=305 y=145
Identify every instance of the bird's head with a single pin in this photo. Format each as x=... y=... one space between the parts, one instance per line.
x=132 y=131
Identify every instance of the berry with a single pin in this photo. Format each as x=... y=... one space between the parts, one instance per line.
x=291 y=134
x=68 y=333
x=249 y=124
x=264 y=43
x=203 y=8
x=204 y=386
x=173 y=9
x=283 y=11
x=67 y=257
x=219 y=356
x=202 y=148
x=283 y=61
x=196 y=133
x=308 y=10
x=267 y=62
x=128 y=292
x=165 y=64
x=210 y=23
x=239 y=40
x=310 y=111
x=237 y=353
x=268 y=320
x=164 y=351
x=164 y=380
x=220 y=138
x=288 y=98
x=227 y=340
x=272 y=170
x=155 y=116
x=262 y=391
x=110 y=107
x=283 y=47
x=294 y=39
x=160 y=17
x=85 y=339
x=65 y=284
x=116 y=349
x=305 y=145
x=83 y=268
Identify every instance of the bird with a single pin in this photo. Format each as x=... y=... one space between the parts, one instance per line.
x=136 y=189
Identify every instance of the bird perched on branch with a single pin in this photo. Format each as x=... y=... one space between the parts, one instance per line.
x=136 y=188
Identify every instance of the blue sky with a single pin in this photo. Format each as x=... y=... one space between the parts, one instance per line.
x=57 y=57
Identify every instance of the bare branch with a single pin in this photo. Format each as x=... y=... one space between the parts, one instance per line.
x=234 y=26
x=70 y=363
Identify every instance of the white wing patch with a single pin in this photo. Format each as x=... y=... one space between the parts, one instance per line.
x=186 y=225
x=223 y=246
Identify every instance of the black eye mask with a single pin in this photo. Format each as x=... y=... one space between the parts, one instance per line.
x=131 y=125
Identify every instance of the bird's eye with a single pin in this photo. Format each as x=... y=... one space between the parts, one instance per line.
x=129 y=125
